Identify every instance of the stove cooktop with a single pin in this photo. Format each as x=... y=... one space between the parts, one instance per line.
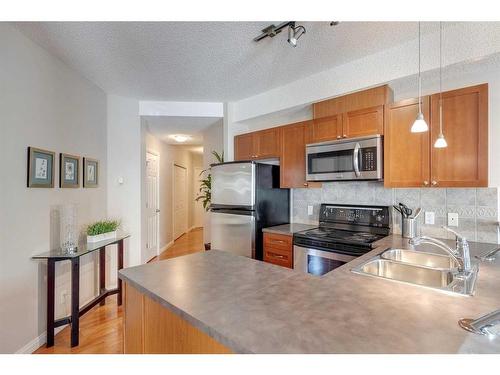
x=338 y=235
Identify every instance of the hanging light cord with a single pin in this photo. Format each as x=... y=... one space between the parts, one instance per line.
x=419 y=74
x=440 y=78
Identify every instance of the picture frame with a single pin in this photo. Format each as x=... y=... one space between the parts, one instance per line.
x=69 y=171
x=90 y=173
x=40 y=168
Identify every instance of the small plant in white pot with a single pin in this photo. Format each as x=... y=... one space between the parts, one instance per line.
x=102 y=230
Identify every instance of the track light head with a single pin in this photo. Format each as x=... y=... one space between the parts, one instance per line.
x=294 y=33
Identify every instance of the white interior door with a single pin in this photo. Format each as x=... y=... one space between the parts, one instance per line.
x=180 y=201
x=199 y=211
x=152 y=206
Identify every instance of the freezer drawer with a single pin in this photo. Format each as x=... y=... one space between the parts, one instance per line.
x=234 y=233
x=233 y=184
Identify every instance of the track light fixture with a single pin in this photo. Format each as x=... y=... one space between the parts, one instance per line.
x=294 y=32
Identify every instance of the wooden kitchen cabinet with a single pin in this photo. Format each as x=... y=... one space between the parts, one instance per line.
x=278 y=249
x=367 y=121
x=406 y=154
x=355 y=115
x=262 y=144
x=267 y=143
x=464 y=163
x=244 y=147
x=411 y=160
x=294 y=138
x=326 y=128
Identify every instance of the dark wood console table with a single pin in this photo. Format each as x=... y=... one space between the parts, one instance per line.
x=58 y=255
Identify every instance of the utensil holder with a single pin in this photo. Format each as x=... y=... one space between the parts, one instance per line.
x=409 y=227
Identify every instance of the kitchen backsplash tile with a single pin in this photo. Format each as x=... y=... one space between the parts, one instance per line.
x=477 y=209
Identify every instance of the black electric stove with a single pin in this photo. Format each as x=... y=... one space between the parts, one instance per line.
x=344 y=233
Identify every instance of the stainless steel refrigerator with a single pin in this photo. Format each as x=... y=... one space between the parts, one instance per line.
x=246 y=198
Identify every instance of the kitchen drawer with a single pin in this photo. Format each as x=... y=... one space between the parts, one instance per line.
x=278 y=241
x=278 y=257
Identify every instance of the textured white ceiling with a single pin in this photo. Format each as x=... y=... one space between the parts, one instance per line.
x=206 y=61
x=164 y=126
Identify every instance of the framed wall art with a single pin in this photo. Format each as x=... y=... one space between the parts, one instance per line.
x=69 y=171
x=40 y=168
x=90 y=173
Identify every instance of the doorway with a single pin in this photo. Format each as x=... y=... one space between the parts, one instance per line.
x=180 y=203
x=152 y=206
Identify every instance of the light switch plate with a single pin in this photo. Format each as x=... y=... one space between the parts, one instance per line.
x=310 y=210
x=452 y=219
x=429 y=217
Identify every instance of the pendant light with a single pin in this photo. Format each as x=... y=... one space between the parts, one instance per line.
x=440 y=141
x=419 y=126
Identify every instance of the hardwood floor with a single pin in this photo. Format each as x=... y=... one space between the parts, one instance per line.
x=101 y=329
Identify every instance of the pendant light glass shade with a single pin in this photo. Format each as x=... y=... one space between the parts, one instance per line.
x=419 y=126
x=440 y=142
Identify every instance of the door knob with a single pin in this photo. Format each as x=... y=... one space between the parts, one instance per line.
x=426 y=183
x=434 y=183
x=338 y=137
x=157 y=211
x=345 y=135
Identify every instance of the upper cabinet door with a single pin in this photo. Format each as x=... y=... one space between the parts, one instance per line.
x=367 y=121
x=406 y=160
x=293 y=155
x=464 y=163
x=267 y=143
x=326 y=128
x=244 y=147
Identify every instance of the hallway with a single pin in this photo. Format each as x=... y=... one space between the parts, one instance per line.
x=101 y=329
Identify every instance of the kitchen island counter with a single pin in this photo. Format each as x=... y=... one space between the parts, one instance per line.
x=254 y=307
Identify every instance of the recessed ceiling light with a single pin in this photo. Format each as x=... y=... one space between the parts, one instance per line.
x=180 y=138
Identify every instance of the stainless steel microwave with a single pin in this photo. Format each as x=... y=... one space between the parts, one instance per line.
x=346 y=159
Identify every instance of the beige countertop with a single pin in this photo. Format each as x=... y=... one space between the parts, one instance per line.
x=255 y=307
x=288 y=229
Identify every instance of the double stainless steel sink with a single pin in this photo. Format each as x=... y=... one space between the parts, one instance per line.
x=419 y=268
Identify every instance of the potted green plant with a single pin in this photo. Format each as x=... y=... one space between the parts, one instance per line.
x=205 y=190
x=102 y=230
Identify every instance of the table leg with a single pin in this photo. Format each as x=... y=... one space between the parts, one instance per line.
x=75 y=301
x=102 y=273
x=120 y=266
x=51 y=276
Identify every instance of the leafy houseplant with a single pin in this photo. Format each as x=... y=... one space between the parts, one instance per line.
x=102 y=230
x=206 y=187
x=206 y=184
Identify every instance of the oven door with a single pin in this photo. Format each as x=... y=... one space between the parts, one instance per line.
x=353 y=159
x=318 y=262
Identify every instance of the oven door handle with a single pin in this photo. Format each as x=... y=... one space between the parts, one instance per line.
x=355 y=159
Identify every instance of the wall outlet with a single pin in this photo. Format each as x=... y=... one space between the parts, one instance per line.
x=310 y=210
x=430 y=217
x=452 y=219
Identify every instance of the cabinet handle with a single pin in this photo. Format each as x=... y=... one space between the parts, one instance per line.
x=338 y=137
x=434 y=183
x=345 y=136
x=426 y=183
x=276 y=256
x=306 y=184
x=277 y=241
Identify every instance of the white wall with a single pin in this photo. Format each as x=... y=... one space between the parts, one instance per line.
x=169 y=154
x=124 y=161
x=212 y=141
x=45 y=104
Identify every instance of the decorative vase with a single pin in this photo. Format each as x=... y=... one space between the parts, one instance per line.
x=101 y=237
x=68 y=228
